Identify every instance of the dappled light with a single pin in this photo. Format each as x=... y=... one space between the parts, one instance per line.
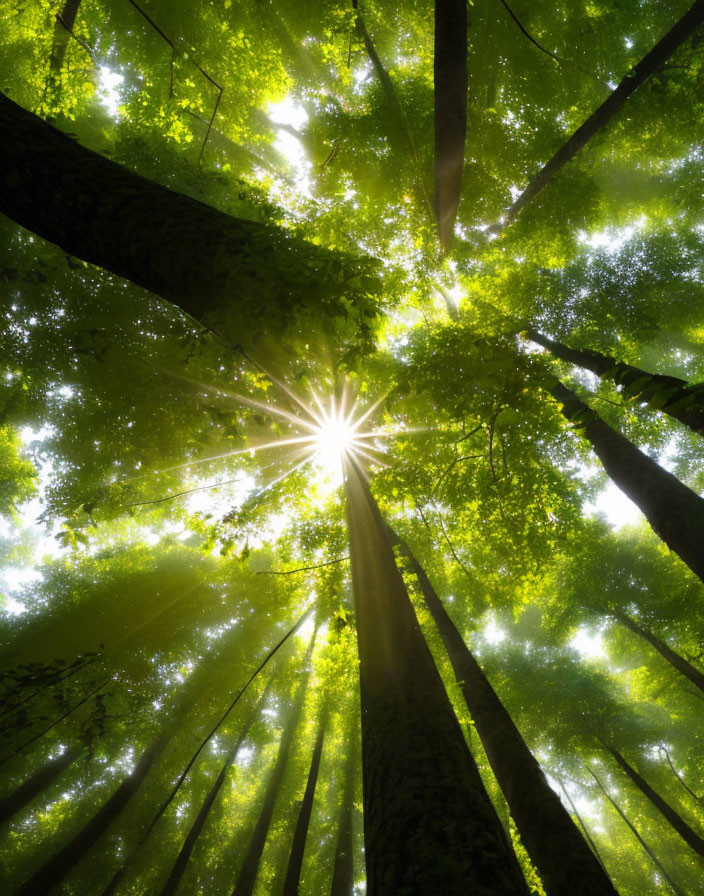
x=351 y=470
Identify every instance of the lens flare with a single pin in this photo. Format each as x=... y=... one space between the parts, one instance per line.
x=334 y=438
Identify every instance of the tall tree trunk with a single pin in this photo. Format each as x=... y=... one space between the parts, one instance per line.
x=690 y=837
x=673 y=658
x=36 y=784
x=184 y=708
x=298 y=845
x=65 y=20
x=450 y=80
x=669 y=394
x=247 y=876
x=588 y=837
x=398 y=126
x=655 y=860
x=191 y=838
x=564 y=860
x=637 y=76
x=342 y=883
x=429 y=824
x=674 y=511
x=235 y=274
x=55 y=869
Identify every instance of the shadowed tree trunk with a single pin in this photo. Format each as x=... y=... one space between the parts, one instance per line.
x=191 y=838
x=636 y=77
x=674 y=511
x=65 y=20
x=298 y=845
x=429 y=825
x=55 y=869
x=36 y=784
x=247 y=876
x=226 y=271
x=564 y=860
x=669 y=394
x=582 y=823
x=690 y=837
x=343 y=869
x=186 y=706
x=450 y=79
x=398 y=126
x=655 y=860
x=673 y=658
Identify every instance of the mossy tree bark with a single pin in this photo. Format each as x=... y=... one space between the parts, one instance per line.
x=563 y=858
x=674 y=511
x=429 y=824
x=238 y=276
x=669 y=394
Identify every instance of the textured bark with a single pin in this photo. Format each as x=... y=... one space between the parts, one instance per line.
x=690 y=837
x=194 y=833
x=238 y=276
x=668 y=394
x=656 y=861
x=298 y=844
x=36 y=784
x=247 y=876
x=55 y=869
x=634 y=79
x=673 y=658
x=429 y=824
x=450 y=79
x=564 y=860
x=674 y=511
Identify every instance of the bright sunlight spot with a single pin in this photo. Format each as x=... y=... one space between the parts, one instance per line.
x=334 y=439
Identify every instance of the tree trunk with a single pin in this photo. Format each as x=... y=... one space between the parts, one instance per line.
x=65 y=20
x=343 y=869
x=564 y=860
x=450 y=80
x=673 y=886
x=33 y=786
x=690 y=837
x=55 y=869
x=588 y=837
x=398 y=126
x=182 y=860
x=247 y=876
x=185 y=705
x=298 y=845
x=430 y=827
x=669 y=394
x=673 y=658
x=674 y=511
x=637 y=76
x=233 y=274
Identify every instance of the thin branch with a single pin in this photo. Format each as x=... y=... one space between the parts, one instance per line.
x=65 y=715
x=680 y=778
x=290 y=572
x=456 y=461
x=188 y=491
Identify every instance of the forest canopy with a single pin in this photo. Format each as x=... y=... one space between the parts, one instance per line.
x=351 y=419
